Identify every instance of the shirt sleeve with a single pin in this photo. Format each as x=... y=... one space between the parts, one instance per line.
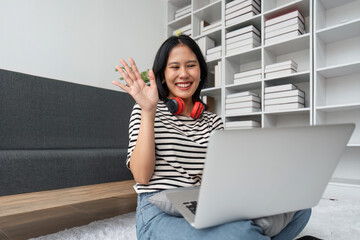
x=134 y=126
x=217 y=123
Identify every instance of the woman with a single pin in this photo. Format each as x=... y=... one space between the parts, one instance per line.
x=167 y=151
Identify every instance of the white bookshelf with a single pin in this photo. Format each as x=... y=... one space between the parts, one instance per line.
x=336 y=77
x=328 y=65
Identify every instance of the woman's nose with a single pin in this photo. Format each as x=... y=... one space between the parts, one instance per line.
x=184 y=73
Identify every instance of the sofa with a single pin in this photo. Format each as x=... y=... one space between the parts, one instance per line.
x=56 y=134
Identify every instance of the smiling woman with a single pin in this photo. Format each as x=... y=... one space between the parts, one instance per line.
x=167 y=146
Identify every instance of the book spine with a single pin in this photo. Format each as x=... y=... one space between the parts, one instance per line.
x=280 y=73
x=295 y=99
x=284 y=17
x=280 y=88
x=285 y=63
x=284 y=30
x=242 y=11
x=242 y=105
x=241 y=94
x=242 y=18
x=283 y=37
x=249 y=79
x=241 y=49
x=248 y=73
x=242 y=99
x=283 y=24
x=280 y=107
x=291 y=93
x=242 y=5
x=253 y=40
x=243 y=30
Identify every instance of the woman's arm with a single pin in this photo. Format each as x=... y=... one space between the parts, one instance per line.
x=142 y=160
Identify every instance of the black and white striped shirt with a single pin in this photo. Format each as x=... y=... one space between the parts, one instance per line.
x=180 y=147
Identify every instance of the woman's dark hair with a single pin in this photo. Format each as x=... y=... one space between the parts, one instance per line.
x=161 y=59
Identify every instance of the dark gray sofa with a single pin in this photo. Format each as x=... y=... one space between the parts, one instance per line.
x=56 y=134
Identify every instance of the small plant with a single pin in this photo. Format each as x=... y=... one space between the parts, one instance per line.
x=144 y=75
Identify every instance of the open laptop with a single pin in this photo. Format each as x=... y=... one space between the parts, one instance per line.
x=261 y=172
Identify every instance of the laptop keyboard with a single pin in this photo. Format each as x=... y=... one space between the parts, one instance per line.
x=191 y=206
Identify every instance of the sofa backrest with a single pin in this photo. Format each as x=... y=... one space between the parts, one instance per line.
x=41 y=113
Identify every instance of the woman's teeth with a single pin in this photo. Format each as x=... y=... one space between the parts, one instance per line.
x=183 y=85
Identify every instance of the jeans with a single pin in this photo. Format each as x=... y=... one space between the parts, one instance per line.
x=153 y=223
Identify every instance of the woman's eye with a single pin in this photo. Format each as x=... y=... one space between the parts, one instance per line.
x=175 y=67
x=191 y=65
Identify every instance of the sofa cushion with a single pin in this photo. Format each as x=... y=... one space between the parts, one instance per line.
x=42 y=113
x=25 y=171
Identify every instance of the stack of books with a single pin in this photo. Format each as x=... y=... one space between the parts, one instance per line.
x=247 y=76
x=217 y=74
x=280 y=69
x=242 y=124
x=241 y=40
x=241 y=10
x=213 y=53
x=182 y=12
x=186 y=30
x=242 y=102
x=284 y=27
x=206 y=27
x=205 y=43
x=283 y=97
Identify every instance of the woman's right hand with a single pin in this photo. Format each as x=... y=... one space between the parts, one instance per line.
x=146 y=96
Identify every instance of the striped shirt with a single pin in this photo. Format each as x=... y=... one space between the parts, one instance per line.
x=180 y=147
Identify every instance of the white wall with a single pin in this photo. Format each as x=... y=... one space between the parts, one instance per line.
x=79 y=41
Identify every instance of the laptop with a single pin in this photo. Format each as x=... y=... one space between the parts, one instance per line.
x=261 y=172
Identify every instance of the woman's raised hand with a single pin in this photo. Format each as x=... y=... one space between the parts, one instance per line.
x=146 y=96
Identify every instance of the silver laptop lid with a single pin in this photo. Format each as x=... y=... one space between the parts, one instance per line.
x=259 y=172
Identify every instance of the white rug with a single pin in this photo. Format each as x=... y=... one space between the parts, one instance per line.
x=330 y=220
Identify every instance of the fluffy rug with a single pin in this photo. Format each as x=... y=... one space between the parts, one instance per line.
x=330 y=220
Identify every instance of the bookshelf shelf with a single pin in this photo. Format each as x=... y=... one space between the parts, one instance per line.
x=180 y=22
x=293 y=78
x=339 y=107
x=327 y=55
x=340 y=70
x=289 y=112
x=291 y=45
x=271 y=11
x=340 y=32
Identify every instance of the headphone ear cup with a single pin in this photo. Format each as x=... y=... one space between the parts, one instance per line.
x=197 y=110
x=176 y=105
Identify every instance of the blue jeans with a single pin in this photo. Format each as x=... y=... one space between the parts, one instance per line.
x=153 y=223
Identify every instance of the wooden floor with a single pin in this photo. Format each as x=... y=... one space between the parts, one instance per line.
x=25 y=223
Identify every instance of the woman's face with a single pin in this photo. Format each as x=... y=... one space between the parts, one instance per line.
x=182 y=72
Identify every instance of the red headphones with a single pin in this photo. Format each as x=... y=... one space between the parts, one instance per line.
x=176 y=106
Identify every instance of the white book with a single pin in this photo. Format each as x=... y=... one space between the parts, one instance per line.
x=242 y=99
x=218 y=80
x=182 y=29
x=279 y=88
x=204 y=29
x=285 y=17
x=284 y=30
x=243 y=30
x=186 y=8
x=295 y=99
x=283 y=37
x=247 y=41
x=280 y=107
x=280 y=68
x=213 y=56
x=283 y=24
x=233 y=3
x=242 y=18
x=239 y=128
x=242 y=5
x=241 y=94
x=182 y=13
x=290 y=93
x=246 y=104
x=247 y=73
x=205 y=43
x=242 y=49
x=248 y=123
x=241 y=111
x=281 y=73
x=213 y=50
x=242 y=11
x=248 y=79
x=280 y=64
x=240 y=37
